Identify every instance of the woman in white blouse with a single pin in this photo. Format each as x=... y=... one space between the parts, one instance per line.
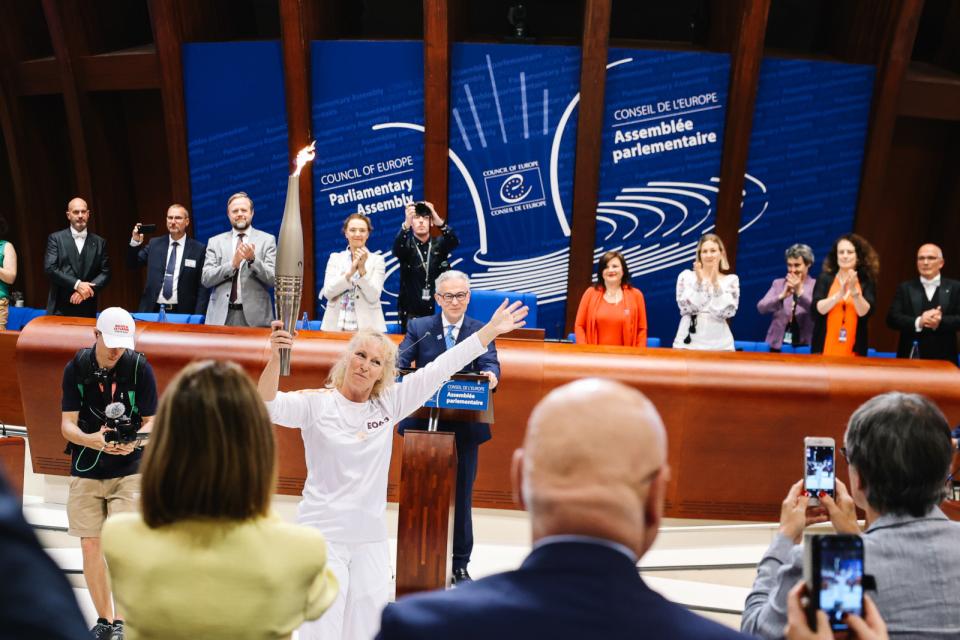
x=707 y=299
x=353 y=282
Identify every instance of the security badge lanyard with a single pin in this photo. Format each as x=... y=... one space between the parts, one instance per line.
x=425 y=294
x=843 y=324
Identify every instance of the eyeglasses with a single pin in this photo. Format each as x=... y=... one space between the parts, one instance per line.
x=450 y=297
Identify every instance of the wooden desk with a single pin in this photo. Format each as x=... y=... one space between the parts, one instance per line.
x=735 y=421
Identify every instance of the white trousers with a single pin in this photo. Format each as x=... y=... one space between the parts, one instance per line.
x=364 y=573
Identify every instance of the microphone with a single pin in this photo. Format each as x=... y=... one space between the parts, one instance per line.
x=114 y=410
x=416 y=342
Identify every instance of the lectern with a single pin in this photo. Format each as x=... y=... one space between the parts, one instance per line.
x=428 y=483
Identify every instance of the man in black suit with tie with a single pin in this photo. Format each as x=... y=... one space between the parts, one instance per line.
x=426 y=339
x=174 y=265
x=926 y=310
x=77 y=264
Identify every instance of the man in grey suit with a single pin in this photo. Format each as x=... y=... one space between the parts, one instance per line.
x=239 y=270
x=899 y=451
x=76 y=263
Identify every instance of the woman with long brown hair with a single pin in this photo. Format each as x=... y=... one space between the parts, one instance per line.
x=205 y=558
x=844 y=297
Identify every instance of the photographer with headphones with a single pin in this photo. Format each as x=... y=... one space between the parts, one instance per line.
x=109 y=398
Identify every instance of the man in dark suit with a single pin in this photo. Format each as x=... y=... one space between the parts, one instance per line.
x=926 y=310
x=77 y=264
x=593 y=475
x=427 y=338
x=35 y=598
x=174 y=266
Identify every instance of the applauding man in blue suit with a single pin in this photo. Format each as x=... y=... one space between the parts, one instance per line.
x=427 y=338
x=593 y=475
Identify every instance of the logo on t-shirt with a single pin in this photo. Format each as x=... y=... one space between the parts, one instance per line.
x=376 y=424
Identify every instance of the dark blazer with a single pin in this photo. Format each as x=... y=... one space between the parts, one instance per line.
x=64 y=266
x=939 y=344
x=820 y=291
x=191 y=296
x=562 y=590
x=424 y=351
x=35 y=598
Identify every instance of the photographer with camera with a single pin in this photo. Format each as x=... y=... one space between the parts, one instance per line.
x=109 y=398
x=422 y=258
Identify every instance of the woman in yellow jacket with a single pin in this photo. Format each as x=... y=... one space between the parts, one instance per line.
x=205 y=558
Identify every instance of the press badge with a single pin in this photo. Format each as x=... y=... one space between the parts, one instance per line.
x=190 y=262
x=788 y=337
x=425 y=294
x=843 y=335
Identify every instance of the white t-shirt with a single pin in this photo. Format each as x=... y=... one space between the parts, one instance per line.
x=348 y=445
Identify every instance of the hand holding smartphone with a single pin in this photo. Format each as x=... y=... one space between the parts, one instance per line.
x=833 y=569
x=819 y=471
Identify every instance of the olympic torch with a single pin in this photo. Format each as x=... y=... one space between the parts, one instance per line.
x=289 y=267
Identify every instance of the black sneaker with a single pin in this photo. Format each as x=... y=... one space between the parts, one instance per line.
x=103 y=630
x=117 y=633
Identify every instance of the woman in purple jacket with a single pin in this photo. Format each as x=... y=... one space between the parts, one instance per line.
x=789 y=301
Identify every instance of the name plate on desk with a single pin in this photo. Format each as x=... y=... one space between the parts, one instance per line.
x=461 y=394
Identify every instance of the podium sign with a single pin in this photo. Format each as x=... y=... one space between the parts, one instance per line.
x=462 y=394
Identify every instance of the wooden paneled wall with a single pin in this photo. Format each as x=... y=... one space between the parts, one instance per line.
x=91 y=104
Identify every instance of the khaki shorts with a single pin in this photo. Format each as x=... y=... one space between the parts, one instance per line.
x=91 y=501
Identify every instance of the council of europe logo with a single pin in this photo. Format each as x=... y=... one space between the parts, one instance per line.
x=514 y=188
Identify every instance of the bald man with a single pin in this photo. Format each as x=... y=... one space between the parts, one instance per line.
x=926 y=310
x=76 y=263
x=595 y=499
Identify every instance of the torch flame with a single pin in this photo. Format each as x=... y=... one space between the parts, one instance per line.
x=304 y=156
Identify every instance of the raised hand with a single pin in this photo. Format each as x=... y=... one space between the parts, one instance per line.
x=408 y=213
x=279 y=339
x=136 y=236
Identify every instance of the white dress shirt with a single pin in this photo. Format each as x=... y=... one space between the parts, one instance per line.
x=929 y=288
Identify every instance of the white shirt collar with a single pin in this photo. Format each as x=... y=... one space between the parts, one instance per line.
x=456 y=325
x=78 y=235
x=933 y=282
x=246 y=233
x=179 y=242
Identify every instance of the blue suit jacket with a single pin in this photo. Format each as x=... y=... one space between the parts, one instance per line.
x=191 y=296
x=427 y=349
x=562 y=590
x=35 y=598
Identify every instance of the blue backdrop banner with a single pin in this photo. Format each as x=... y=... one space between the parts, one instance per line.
x=511 y=158
x=662 y=142
x=368 y=122
x=806 y=152
x=236 y=132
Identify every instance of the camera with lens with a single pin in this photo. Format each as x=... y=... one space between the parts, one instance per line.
x=421 y=209
x=120 y=428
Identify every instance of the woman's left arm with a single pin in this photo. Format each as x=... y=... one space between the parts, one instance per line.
x=865 y=299
x=371 y=284
x=8 y=272
x=725 y=304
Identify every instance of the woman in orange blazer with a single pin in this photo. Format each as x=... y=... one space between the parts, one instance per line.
x=612 y=312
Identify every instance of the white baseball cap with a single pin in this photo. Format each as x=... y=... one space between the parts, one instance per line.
x=117 y=327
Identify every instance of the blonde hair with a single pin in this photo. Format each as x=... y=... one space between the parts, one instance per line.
x=712 y=237
x=388 y=374
x=212 y=452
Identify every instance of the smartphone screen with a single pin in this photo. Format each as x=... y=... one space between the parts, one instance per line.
x=841 y=578
x=820 y=470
